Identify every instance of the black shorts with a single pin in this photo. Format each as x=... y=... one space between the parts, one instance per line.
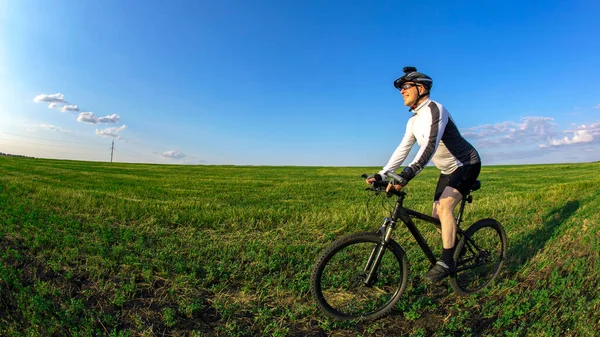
x=462 y=179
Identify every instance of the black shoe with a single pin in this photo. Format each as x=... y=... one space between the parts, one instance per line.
x=439 y=271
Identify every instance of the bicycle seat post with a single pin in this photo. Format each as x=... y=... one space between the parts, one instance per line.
x=467 y=198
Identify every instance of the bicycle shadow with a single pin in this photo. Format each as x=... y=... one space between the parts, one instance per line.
x=528 y=246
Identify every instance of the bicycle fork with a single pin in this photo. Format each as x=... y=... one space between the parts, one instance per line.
x=377 y=252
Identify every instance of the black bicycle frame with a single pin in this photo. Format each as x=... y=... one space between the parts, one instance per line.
x=405 y=215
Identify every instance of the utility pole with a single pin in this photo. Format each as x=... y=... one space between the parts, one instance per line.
x=112 y=150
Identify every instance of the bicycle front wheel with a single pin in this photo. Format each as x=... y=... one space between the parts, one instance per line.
x=338 y=280
x=479 y=256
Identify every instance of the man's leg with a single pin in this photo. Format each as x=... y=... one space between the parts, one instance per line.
x=443 y=181
x=447 y=197
x=444 y=209
x=434 y=210
x=435 y=214
x=448 y=201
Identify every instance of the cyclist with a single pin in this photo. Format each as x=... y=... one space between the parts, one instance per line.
x=440 y=141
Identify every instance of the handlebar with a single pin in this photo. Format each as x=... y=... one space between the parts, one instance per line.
x=381 y=185
x=395 y=176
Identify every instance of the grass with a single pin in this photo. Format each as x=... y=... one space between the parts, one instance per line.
x=90 y=249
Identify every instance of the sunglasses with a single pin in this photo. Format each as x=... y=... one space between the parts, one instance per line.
x=407 y=86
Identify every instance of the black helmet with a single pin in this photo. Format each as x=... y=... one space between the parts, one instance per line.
x=412 y=75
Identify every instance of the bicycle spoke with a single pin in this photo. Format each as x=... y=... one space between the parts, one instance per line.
x=341 y=283
x=480 y=257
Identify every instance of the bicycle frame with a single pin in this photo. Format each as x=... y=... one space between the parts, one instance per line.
x=405 y=215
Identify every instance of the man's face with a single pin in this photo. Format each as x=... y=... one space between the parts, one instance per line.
x=410 y=93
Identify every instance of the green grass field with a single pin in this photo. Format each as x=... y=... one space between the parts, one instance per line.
x=90 y=249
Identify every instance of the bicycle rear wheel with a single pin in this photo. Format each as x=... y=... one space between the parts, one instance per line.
x=338 y=278
x=479 y=256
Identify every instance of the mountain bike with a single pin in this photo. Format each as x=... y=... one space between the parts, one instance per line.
x=363 y=275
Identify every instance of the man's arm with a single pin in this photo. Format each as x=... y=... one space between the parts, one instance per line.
x=401 y=151
x=439 y=120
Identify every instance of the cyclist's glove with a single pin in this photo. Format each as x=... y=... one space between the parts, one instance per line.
x=407 y=174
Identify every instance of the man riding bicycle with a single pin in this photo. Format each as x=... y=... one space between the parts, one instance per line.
x=432 y=127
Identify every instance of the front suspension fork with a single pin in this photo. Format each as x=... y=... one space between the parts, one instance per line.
x=378 y=250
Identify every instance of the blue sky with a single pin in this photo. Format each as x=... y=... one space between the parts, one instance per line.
x=294 y=82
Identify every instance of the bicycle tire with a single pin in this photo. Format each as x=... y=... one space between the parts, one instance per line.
x=332 y=288
x=481 y=266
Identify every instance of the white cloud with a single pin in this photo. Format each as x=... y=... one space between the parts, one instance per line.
x=53 y=128
x=114 y=118
x=54 y=98
x=111 y=132
x=173 y=154
x=597 y=106
x=66 y=108
x=541 y=130
x=529 y=129
x=582 y=134
x=56 y=101
x=89 y=117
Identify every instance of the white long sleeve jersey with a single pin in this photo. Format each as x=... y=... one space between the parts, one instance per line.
x=439 y=139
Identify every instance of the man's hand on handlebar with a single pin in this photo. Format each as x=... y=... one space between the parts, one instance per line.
x=371 y=179
x=394 y=186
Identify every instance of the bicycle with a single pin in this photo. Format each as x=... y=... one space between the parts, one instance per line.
x=363 y=275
